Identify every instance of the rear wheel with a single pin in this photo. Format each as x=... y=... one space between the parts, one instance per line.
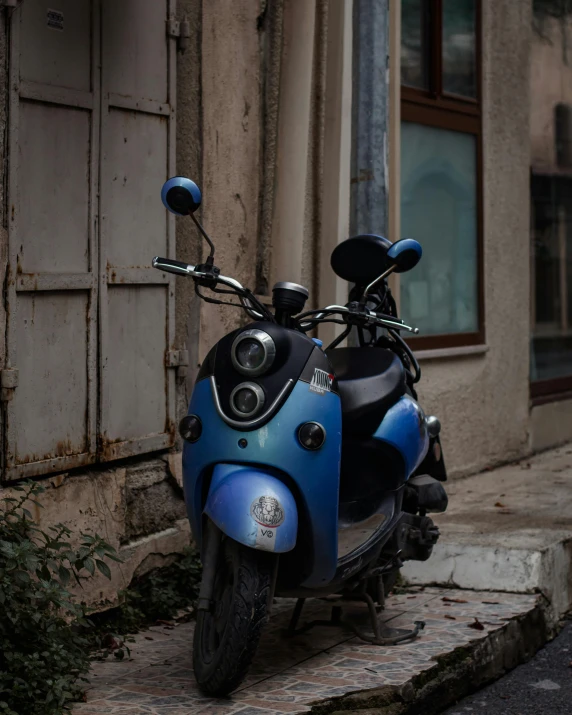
x=226 y=637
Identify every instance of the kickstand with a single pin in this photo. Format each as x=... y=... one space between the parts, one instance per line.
x=378 y=638
x=398 y=635
x=335 y=620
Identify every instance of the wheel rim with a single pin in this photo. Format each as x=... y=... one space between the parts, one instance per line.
x=215 y=621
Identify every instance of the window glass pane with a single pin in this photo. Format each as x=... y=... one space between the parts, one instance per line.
x=415 y=43
x=459 y=47
x=439 y=209
x=551 y=194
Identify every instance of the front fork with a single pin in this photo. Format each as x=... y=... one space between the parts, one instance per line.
x=210 y=553
x=212 y=539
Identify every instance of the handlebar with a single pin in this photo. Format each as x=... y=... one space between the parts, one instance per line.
x=171 y=266
x=180 y=268
x=186 y=269
x=369 y=316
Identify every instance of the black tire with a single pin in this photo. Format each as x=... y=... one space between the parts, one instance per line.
x=226 y=639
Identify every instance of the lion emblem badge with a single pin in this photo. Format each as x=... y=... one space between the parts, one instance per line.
x=267 y=511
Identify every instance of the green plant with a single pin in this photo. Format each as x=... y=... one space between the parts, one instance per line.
x=43 y=654
x=156 y=596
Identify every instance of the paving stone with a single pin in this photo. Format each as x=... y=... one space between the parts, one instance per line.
x=291 y=673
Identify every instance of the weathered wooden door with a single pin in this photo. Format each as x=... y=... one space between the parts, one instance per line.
x=138 y=155
x=90 y=325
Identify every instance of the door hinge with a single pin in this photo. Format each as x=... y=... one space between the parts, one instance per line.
x=8 y=383
x=178 y=359
x=181 y=31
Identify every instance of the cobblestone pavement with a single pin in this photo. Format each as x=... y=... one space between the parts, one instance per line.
x=291 y=673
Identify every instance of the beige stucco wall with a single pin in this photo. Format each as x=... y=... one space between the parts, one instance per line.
x=263 y=129
x=231 y=121
x=482 y=399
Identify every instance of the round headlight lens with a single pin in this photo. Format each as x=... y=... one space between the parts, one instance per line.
x=253 y=352
x=250 y=354
x=312 y=435
x=246 y=399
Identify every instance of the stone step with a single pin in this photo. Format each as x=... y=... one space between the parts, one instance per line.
x=508 y=529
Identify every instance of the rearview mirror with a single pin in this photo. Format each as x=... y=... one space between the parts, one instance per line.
x=181 y=196
x=404 y=254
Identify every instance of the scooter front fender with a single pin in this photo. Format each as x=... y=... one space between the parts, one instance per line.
x=253 y=508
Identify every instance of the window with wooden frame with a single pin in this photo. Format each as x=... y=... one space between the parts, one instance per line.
x=551 y=202
x=441 y=170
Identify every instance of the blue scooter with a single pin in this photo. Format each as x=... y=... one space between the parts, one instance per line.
x=307 y=472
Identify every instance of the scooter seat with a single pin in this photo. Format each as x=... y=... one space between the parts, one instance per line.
x=370 y=381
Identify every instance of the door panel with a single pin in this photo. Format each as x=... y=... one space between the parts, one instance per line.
x=91 y=324
x=53 y=376
x=54 y=188
x=137 y=344
x=65 y=57
x=50 y=422
x=136 y=49
x=135 y=166
x=136 y=301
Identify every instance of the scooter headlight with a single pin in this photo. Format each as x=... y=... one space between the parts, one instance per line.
x=247 y=399
x=253 y=352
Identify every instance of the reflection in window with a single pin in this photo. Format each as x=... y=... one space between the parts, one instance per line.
x=438 y=208
x=459 y=51
x=415 y=43
x=551 y=196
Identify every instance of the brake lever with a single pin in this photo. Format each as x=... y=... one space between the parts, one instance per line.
x=395 y=323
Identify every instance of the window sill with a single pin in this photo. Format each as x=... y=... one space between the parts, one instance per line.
x=549 y=399
x=451 y=353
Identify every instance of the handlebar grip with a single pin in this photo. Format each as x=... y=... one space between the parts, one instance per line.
x=171 y=266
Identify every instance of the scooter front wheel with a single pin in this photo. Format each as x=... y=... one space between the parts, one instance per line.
x=226 y=637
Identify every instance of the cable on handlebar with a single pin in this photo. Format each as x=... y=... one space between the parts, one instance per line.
x=244 y=294
x=341 y=337
x=398 y=339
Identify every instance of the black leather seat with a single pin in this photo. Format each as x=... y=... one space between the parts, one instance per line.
x=370 y=381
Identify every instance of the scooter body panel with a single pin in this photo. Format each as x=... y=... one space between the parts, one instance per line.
x=311 y=476
x=404 y=428
x=253 y=508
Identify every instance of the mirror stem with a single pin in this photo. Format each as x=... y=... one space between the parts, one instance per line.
x=374 y=283
x=203 y=233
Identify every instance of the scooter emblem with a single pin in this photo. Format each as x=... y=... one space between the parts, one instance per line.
x=321 y=382
x=267 y=511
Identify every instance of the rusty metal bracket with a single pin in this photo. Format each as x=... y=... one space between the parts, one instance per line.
x=8 y=383
x=181 y=31
x=178 y=359
x=173 y=27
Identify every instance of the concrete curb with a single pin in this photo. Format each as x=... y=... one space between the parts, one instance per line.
x=456 y=674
